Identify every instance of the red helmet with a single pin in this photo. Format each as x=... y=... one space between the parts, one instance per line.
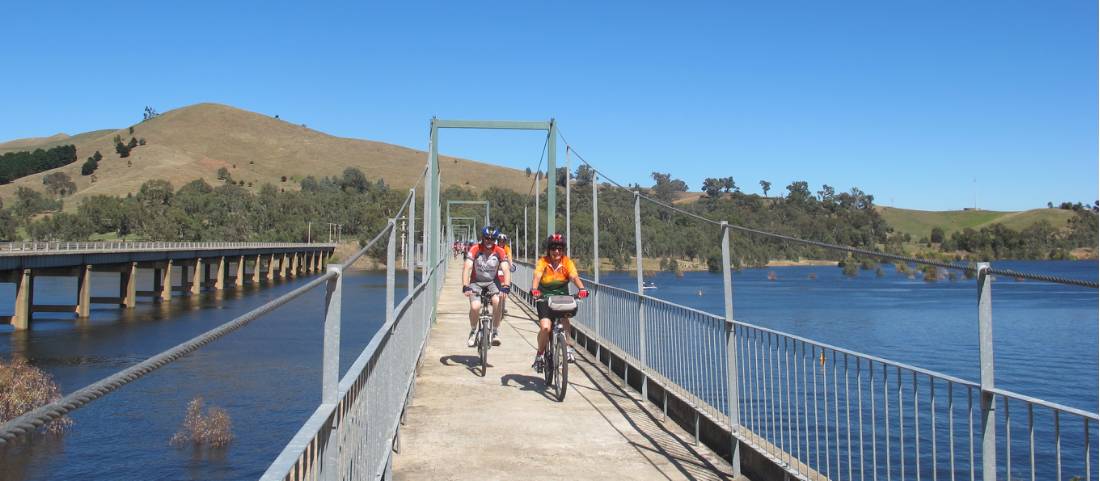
x=555 y=240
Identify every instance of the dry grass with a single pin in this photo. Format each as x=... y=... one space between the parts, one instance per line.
x=212 y=428
x=194 y=142
x=24 y=387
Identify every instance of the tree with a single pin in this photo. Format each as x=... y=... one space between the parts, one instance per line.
x=712 y=187
x=223 y=174
x=584 y=175
x=155 y=193
x=89 y=166
x=827 y=193
x=97 y=156
x=937 y=235
x=798 y=191
x=141 y=141
x=666 y=187
x=122 y=149
x=766 y=186
x=354 y=180
x=562 y=174
x=133 y=143
x=728 y=185
x=59 y=184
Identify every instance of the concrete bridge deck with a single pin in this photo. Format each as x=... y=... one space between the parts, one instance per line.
x=505 y=425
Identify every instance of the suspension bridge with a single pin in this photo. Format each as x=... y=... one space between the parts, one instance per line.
x=660 y=390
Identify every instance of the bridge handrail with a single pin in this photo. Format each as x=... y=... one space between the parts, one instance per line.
x=688 y=356
x=22 y=248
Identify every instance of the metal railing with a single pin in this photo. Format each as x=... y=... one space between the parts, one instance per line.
x=114 y=246
x=353 y=432
x=824 y=412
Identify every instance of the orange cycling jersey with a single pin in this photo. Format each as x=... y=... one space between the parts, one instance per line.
x=555 y=281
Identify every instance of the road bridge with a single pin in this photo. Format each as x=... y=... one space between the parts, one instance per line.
x=209 y=265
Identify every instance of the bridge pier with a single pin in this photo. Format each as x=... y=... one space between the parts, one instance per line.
x=293 y=265
x=127 y=285
x=165 y=282
x=197 y=277
x=84 y=292
x=219 y=276
x=256 y=269
x=271 y=267
x=282 y=267
x=24 y=298
x=238 y=280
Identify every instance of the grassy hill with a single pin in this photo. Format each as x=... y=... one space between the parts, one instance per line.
x=195 y=141
x=919 y=223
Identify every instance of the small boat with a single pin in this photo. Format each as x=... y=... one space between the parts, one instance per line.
x=649 y=285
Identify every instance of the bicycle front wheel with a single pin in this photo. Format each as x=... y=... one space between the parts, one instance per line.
x=483 y=348
x=561 y=367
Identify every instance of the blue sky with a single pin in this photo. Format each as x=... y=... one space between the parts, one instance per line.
x=924 y=104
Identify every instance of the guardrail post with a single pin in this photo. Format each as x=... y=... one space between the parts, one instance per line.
x=410 y=250
x=525 y=258
x=985 y=349
x=568 y=220
x=391 y=267
x=596 y=262
x=330 y=362
x=641 y=294
x=732 y=391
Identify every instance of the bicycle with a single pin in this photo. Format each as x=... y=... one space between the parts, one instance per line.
x=555 y=360
x=484 y=330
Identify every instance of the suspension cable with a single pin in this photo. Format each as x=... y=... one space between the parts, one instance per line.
x=837 y=247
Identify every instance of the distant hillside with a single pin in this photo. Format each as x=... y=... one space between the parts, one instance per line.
x=195 y=141
x=919 y=223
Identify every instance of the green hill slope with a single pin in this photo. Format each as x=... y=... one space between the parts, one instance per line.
x=919 y=223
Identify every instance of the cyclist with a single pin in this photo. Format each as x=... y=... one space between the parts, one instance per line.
x=479 y=272
x=553 y=272
x=502 y=242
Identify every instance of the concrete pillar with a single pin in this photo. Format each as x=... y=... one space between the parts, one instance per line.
x=238 y=280
x=313 y=262
x=282 y=266
x=293 y=264
x=256 y=270
x=197 y=277
x=24 y=299
x=166 y=282
x=128 y=285
x=271 y=267
x=219 y=276
x=84 y=291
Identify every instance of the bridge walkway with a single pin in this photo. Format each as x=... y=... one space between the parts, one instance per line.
x=505 y=425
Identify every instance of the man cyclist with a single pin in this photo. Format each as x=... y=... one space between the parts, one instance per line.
x=553 y=272
x=479 y=272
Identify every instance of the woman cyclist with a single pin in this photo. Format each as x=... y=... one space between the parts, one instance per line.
x=553 y=272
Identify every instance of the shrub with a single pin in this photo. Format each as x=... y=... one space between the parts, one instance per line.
x=283 y=178
x=24 y=387
x=89 y=166
x=212 y=428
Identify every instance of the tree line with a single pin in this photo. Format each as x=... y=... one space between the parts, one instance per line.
x=14 y=165
x=199 y=211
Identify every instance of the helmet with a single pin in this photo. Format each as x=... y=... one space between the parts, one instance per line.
x=555 y=240
x=503 y=238
x=490 y=231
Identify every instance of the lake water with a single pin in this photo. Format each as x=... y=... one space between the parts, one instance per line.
x=267 y=375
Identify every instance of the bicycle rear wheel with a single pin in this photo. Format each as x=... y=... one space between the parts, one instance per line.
x=548 y=365
x=561 y=366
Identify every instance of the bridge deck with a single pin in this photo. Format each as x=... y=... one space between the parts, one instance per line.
x=505 y=425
